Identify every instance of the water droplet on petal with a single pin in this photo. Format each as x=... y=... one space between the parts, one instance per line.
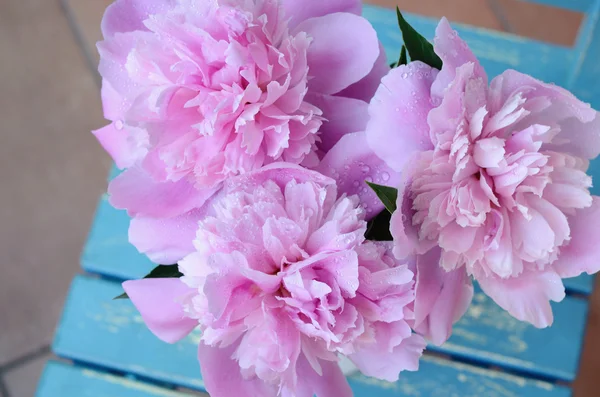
x=119 y=125
x=385 y=176
x=356 y=183
x=404 y=75
x=365 y=169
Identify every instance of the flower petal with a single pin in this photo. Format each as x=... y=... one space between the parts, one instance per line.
x=366 y=87
x=398 y=125
x=454 y=52
x=222 y=375
x=344 y=43
x=299 y=11
x=343 y=116
x=579 y=123
x=351 y=162
x=129 y=15
x=332 y=382
x=381 y=362
x=116 y=144
x=526 y=297
x=135 y=191
x=158 y=301
x=442 y=298
x=582 y=254
x=165 y=240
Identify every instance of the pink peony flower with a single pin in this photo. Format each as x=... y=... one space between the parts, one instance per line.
x=282 y=282
x=199 y=91
x=496 y=178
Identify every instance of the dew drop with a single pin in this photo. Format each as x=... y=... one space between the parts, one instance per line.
x=356 y=183
x=385 y=176
x=404 y=75
x=369 y=179
x=119 y=125
x=365 y=168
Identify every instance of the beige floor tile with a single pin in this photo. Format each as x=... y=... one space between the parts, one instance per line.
x=471 y=12
x=88 y=14
x=52 y=169
x=23 y=381
x=541 y=22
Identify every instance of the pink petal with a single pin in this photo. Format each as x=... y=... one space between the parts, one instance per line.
x=343 y=51
x=222 y=375
x=404 y=232
x=135 y=191
x=128 y=15
x=398 y=125
x=351 y=163
x=116 y=144
x=366 y=88
x=343 y=116
x=158 y=301
x=332 y=382
x=280 y=173
x=526 y=297
x=454 y=52
x=299 y=11
x=442 y=298
x=113 y=103
x=579 y=123
x=382 y=362
x=582 y=254
x=165 y=240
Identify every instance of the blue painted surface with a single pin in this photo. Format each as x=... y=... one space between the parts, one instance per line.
x=442 y=378
x=97 y=330
x=490 y=335
x=108 y=251
x=63 y=380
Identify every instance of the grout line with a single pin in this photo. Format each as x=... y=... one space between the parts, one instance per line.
x=498 y=11
x=80 y=41
x=25 y=358
x=3 y=389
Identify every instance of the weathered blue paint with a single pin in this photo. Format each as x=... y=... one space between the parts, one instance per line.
x=108 y=251
x=102 y=332
x=489 y=335
x=443 y=378
x=63 y=380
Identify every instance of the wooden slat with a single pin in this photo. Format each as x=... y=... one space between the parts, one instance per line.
x=111 y=334
x=108 y=252
x=497 y=51
x=63 y=380
x=489 y=335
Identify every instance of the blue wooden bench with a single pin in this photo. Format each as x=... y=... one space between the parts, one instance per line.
x=109 y=352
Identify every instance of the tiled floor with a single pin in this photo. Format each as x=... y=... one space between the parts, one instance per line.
x=53 y=170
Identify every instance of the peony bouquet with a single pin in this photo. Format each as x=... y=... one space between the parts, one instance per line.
x=306 y=201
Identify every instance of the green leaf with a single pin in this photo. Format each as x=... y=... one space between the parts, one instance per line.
x=417 y=46
x=387 y=195
x=403 y=57
x=160 y=271
x=378 y=228
x=165 y=271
